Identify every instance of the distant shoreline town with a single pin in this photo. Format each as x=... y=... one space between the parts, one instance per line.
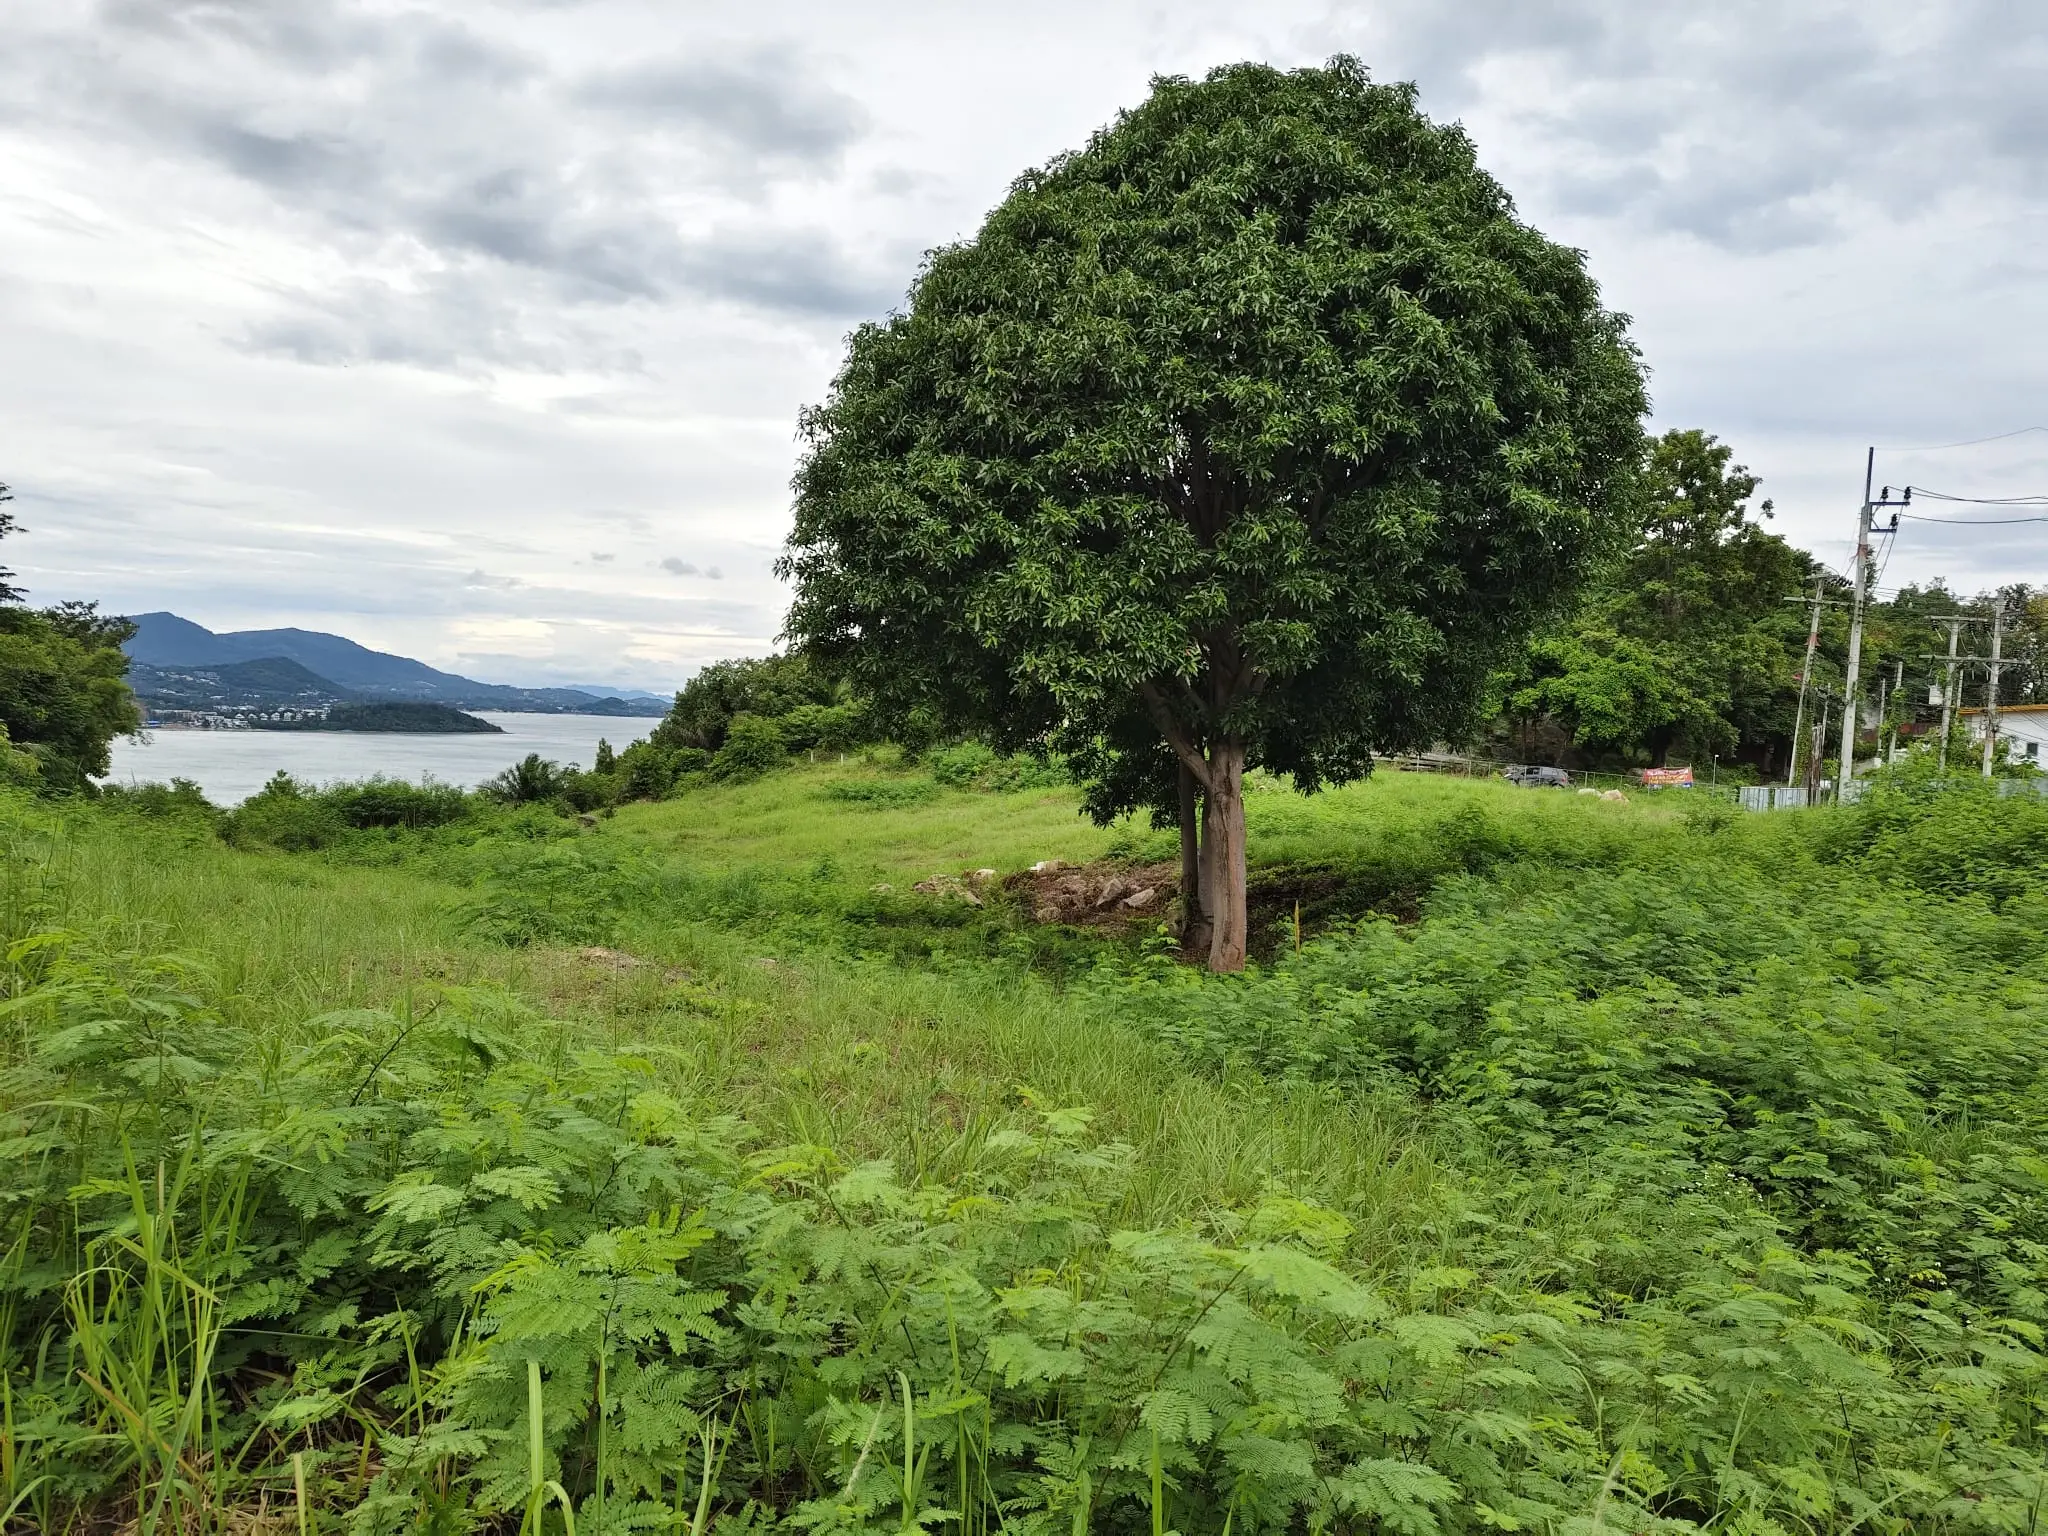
x=401 y=715
x=188 y=677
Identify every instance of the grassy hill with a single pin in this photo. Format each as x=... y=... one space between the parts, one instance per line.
x=1590 y=1166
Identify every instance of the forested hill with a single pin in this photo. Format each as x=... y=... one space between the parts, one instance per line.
x=409 y=715
x=167 y=642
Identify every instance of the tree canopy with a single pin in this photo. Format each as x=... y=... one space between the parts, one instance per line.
x=1249 y=434
x=1686 y=638
x=64 y=693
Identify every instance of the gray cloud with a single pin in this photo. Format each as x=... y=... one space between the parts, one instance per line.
x=312 y=305
x=675 y=565
x=763 y=105
x=1755 y=125
x=450 y=170
x=803 y=272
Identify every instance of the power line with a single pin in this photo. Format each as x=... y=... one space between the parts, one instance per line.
x=1982 y=501
x=1968 y=443
x=1973 y=522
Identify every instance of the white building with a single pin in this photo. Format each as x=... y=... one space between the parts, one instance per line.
x=2022 y=727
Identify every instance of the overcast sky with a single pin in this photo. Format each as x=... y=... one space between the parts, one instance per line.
x=478 y=332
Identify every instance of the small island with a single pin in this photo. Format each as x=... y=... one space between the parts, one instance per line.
x=416 y=716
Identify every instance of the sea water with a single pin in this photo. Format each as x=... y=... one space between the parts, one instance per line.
x=230 y=766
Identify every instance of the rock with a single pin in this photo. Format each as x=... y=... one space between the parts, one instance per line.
x=585 y=819
x=980 y=875
x=1615 y=795
x=1048 y=912
x=881 y=890
x=1113 y=889
x=1047 y=866
x=1138 y=901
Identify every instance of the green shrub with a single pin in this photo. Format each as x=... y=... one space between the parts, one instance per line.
x=530 y=780
x=1956 y=835
x=880 y=794
x=285 y=815
x=180 y=797
x=827 y=727
x=555 y=893
x=439 y=1259
x=768 y=687
x=63 y=691
x=973 y=765
x=753 y=746
x=649 y=771
x=382 y=802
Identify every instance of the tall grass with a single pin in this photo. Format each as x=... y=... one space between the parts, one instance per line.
x=698 y=1203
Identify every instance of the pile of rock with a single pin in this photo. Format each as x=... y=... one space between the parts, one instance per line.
x=966 y=886
x=1054 y=891
x=1095 y=893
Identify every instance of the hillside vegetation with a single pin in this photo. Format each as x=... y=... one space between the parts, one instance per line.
x=1589 y=1166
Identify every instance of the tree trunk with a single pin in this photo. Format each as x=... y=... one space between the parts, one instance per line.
x=1223 y=883
x=1194 y=914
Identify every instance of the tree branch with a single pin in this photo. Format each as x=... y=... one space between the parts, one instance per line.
x=1189 y=755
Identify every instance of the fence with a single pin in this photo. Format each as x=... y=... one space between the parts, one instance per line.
x=1488 y=768
x=1787 y=797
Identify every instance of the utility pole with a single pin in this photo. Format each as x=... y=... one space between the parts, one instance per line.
x=1863 y=532
x=1898 y=687
x=1883 y=698
x=1991 y=692
x=1806 y=672
x=1948 y=690
x=1952 y=668
x=1820 y=746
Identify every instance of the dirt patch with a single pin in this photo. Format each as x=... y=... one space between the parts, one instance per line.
x=1101 y=895
x=1123 y=897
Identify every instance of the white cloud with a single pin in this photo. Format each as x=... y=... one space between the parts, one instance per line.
x=378 y=320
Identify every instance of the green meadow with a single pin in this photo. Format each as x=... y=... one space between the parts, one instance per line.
x=1571 y=1166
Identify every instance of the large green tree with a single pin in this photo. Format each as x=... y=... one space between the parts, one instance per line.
x=1687 y=639
x=64 y=693
x=1250 y=433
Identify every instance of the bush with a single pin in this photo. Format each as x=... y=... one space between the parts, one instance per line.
x=180 y=797
x=63 y=692
x=879 y=794
x=827 y=727
x=1957 y=835
x=285 y=815
x=753 y=746
x=382 y=802
x=530 y=780
x=766 y=686
x=972 y=765
x=439 y=1259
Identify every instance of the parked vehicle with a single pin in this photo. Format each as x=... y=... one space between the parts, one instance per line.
x=1536 y=776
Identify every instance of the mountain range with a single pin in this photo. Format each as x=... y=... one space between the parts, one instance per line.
x=179 y=664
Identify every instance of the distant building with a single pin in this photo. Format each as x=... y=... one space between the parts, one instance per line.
x=2022 y=727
